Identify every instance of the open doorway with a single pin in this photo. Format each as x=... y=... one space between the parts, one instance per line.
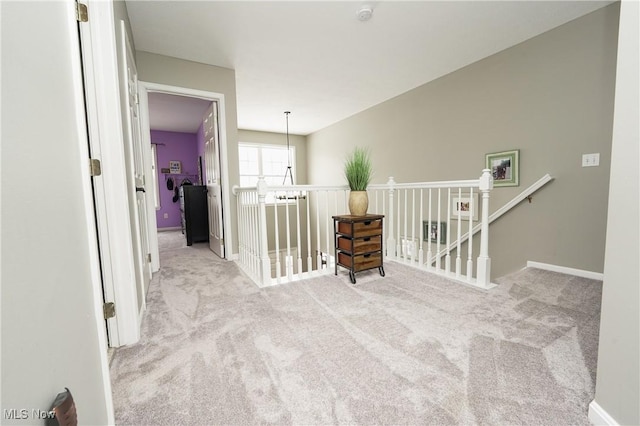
x=177 y=140
x=186 y=129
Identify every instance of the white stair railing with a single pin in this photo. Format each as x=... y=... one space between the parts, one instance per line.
x=421 y=204
x=272 y=219
x=524 y=195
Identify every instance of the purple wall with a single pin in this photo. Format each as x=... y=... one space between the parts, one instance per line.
x=176 y=147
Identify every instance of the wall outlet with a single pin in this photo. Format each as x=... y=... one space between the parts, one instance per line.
x=166 y=216
x=591 y=160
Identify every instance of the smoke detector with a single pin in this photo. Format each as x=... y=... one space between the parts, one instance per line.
x=364 y=13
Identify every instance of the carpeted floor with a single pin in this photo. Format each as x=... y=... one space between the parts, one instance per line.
x=409 y=348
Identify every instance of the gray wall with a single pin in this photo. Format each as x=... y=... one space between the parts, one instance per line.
x=618 y=387
x=161 y=69
x=52 y=336
x=551 y=97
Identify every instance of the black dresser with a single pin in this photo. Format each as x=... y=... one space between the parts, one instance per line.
x=194 y=213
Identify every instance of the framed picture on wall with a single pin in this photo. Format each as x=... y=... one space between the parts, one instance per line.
x=175 y=167
x=464 y=204
x=430 y=232
x=504 y=167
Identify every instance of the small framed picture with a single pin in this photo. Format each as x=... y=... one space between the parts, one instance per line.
x=464 y=205
x=430 y=232
x=175 y=167
x=504 y=167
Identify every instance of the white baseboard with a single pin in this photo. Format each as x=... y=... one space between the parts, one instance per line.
x=598 y=416
x=564 y=270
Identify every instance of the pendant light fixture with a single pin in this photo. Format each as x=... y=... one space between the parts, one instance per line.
x=288 y=172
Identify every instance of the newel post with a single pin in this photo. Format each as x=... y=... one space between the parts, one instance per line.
x=391 y=241
x=265 y=276
x=484 y=262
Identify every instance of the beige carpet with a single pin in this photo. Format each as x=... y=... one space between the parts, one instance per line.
x=409 y=348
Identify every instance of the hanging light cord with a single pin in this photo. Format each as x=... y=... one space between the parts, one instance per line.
x=288 y=171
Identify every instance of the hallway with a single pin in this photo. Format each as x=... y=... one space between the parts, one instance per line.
x=409 y=348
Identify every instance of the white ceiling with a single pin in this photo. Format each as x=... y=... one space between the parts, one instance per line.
x=176 y=113
x=317 y=60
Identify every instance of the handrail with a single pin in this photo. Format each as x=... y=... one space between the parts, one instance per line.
x=426 y=185
x=372 y=187
x=291 y=188
x=495 y=215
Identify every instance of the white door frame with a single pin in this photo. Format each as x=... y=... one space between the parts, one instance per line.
x=107 y=144
x=135 y=153
x=88 y=200
x=144 y=89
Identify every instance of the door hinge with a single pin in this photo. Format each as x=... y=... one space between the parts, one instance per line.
x=149 y=257
x=95 y=167
x=82 y=15
x=109 y=310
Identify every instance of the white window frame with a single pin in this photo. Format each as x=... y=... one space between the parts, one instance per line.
x=292 y=151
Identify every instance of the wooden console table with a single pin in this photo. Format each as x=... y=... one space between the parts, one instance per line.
x=358 y=243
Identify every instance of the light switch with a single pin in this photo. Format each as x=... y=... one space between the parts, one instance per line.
x=591 y=160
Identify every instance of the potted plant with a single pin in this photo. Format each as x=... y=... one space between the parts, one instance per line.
x=358 y=171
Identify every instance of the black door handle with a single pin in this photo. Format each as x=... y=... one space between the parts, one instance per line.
x=140 y=189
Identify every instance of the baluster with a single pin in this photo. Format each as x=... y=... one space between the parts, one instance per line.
x=327 y=224
x=438 y=258
x=458 y=258
x=391 y=242
x=262 y=224
x=309 y=257
x=470 y=241
x=256 y=236
x=240 y=226
x=484 y=262
x=299 y=271
x=421 y=251
x=447 y=259
x=413 y=225
x=252 y=234
x=318 y=250
x=288 y=260
x=429 y=252
x=398 y=243
x=277 y=232
x=247 y=228
x=406 y=236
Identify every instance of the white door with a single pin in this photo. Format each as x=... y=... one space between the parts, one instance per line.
x=136 y=169
x=214 y=185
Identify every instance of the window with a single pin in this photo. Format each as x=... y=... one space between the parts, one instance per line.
x=270 y=161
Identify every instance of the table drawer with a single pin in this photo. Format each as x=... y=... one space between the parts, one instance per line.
x=361 y=261
x=361 y=245
x=361 y=229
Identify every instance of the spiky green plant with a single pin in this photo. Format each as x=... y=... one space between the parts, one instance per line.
x=358 y=169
